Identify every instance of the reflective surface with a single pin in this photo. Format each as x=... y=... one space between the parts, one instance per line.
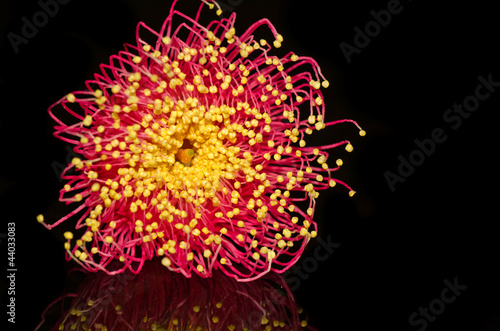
x=157 y=299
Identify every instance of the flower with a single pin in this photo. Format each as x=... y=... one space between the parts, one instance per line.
x=194 y=149
x=158 y=299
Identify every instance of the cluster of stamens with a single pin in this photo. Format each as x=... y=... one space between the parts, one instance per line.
x=196 y=151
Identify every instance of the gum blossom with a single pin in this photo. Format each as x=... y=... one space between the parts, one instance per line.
x=194 y=149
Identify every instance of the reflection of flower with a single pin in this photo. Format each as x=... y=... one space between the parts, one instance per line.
x=194 y=149
x=157 y=299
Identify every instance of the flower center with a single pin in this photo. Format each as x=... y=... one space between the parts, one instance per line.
x=189 y=150
x=185 y=154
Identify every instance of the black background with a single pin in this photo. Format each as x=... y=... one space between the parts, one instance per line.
x=396 y=248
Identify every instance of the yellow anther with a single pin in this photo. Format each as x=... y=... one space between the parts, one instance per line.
x=115 y=89
x=166 y=262
x=244 y=53
x=287 y=233
x=315 y=84
x=40 y=218
x=319 y=125
x=87 y=121
x=202 y=89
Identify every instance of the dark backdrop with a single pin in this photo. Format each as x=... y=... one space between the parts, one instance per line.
x=409 y=229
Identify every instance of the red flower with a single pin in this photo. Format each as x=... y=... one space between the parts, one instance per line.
x=193 y=148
